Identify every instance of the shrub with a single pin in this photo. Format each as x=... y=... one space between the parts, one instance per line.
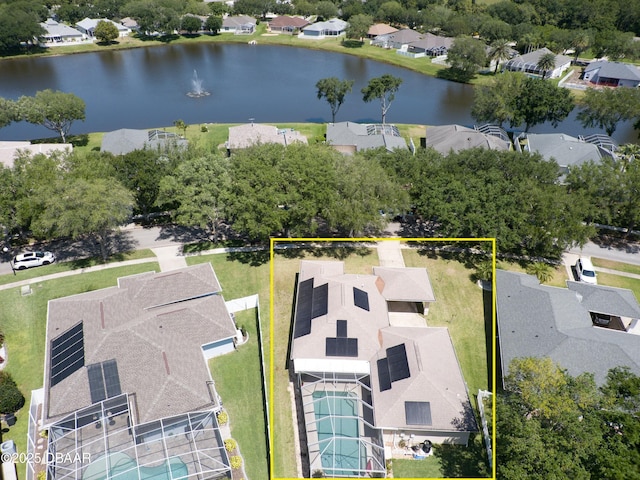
x=222 y=417
x=204 y=129
x=230 y=444
x=236 y=462
x=317 y=474
x=11 y=399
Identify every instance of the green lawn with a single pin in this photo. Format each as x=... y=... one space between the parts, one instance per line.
x=611 y=280
x=23 y=321
x=239 y=383
x=237 y=375
x=430 y=467
x=619 y=266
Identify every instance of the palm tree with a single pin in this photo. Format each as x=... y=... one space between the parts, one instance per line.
x=546 y=63
x=580 y=43
x=500 y=50
x=542 y=271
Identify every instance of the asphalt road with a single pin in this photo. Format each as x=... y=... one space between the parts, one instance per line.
x=137 y=238
x=129 y=238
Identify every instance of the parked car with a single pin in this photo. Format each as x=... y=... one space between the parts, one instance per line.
x=32 y=259
x=585 y=271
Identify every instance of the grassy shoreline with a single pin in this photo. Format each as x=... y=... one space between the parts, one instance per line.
x=421 y=65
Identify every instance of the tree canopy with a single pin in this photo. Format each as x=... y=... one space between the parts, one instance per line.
x=608 y=107
x=382 y=88
x=550 y=424
x=53 y=110
x=514 y=98
x=198 y=191
x=333 y=90
x=106 y=32
x=480 y=193
x=466 y=56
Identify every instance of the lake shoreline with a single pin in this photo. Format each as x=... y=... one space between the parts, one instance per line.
x=420 y=65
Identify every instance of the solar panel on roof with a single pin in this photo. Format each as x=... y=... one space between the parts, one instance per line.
x=341 y=347
x=383 y=375
x=352 y=347
x=361 y=299
x=96 y=383
x=104 y=381
x=398 y=363
x=331 y=347
x=303 y=309
x=67 y=353
x=417 y=413
x=341 y=327
x=320 y=301
x=111 y=378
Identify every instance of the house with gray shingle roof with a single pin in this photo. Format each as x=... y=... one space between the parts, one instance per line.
x=528 y=63
x=126 y=378
x=361 y=340
x=454 y=138
x=565 y=150
x=612 y=74
x=397 y=39
x=126 y=140
x=319 y=30
x=60 y=34
x=88 y=26
x=584 y=328
x=351 y=137
x=238 y=24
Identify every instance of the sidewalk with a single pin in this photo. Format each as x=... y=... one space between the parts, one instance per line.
x=169 y=258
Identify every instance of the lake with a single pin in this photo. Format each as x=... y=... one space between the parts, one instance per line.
x=147 y=87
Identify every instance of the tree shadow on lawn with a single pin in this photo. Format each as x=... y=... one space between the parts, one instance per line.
x=254 y=259
x=458 y=461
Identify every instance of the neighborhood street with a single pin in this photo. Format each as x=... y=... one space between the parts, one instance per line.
x=135 y=237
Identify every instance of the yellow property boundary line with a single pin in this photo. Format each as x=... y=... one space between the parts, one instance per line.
x=272 y=248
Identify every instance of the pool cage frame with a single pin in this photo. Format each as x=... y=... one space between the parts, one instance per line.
x=98 y=432
x=370 y=438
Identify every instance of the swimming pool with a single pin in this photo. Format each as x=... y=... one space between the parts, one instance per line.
x=337 y=424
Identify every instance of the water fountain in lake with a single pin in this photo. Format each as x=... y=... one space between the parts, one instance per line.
x=196 y=85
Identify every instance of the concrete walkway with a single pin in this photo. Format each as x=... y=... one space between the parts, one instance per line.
x=390 y=253
x=170 y=258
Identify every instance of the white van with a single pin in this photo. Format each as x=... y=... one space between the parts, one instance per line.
x=585 y=271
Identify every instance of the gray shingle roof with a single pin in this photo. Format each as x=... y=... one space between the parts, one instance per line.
x=618 y=70
x=126 y=140
x=540 y=321
x=158 y=350
x=533 y=58
x=445 y=138
x=564 y=149
x=356 y=135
